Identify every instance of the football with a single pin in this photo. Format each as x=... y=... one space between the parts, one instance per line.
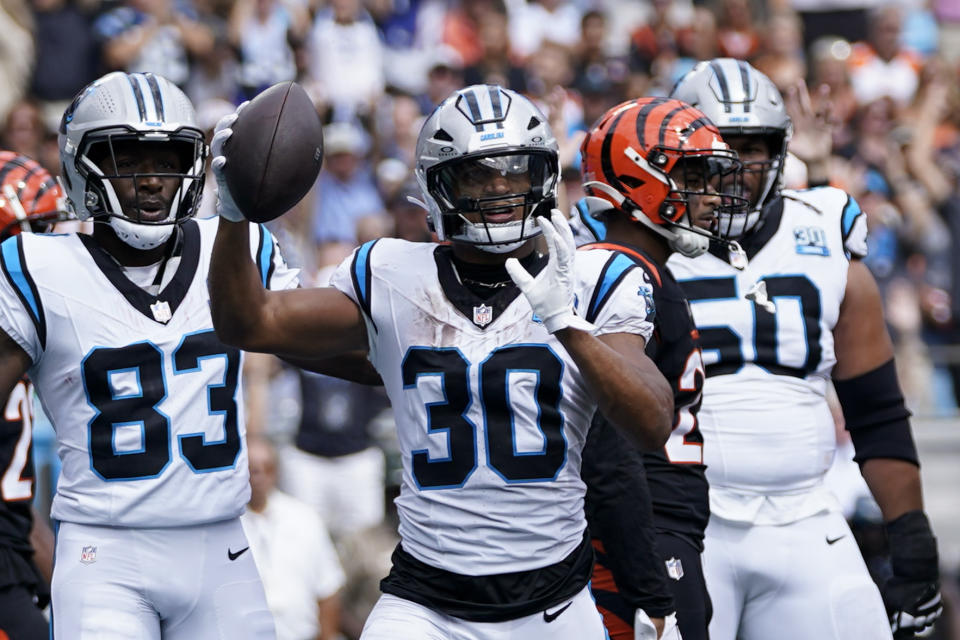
x=275 y=152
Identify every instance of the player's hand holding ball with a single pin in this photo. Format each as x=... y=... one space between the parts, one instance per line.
x=267 y=154
x=226 y=207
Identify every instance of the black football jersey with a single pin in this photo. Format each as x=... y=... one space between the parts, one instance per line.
x=16 y=466
x=675 y=474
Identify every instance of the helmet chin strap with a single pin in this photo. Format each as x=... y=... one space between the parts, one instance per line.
x=140 y=236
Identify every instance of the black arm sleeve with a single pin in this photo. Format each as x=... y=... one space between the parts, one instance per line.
x=619 y=514
x=876 y=416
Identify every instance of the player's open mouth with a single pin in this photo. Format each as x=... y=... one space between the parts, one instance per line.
x=152 y=211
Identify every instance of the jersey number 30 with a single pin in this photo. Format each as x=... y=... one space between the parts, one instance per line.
x=144 y=362
x=449 y=416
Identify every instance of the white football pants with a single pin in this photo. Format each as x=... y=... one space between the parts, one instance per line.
x=187 y=583
x=800 y=581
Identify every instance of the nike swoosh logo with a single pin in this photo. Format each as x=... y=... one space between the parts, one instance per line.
x=234 y=556
x=829 y=541
x=550 y=617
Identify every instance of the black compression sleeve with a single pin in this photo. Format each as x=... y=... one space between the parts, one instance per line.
x=876 y=416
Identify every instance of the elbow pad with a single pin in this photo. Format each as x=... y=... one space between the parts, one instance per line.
x=876 y=416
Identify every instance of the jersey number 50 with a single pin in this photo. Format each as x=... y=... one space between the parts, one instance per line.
x=727 y=343
x=145 y=361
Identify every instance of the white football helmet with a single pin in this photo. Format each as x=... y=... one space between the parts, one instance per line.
x=741 y=101
x=125 y=107
x=476 y=134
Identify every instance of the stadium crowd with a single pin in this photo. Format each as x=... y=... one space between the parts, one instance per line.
x=887 y=74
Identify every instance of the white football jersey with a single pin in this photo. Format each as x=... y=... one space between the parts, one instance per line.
x=491 y=410
x=767 y=339
x=145 y=400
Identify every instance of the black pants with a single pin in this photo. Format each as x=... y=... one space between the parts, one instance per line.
x=685 y=580
x=685 y=571
x=20 y=618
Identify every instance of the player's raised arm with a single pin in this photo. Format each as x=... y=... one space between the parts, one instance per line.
x=630 y=391
x=302 y=323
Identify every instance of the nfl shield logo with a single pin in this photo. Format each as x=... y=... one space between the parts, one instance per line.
x=674 y=568
x=161 y=311
x=482 y=315
x=88 y=555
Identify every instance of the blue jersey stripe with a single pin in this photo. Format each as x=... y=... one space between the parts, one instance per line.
x=596 y=228
x=361 y=278
x=613 y=272
x=11 y=259
x=265 y=256
x=851 y=211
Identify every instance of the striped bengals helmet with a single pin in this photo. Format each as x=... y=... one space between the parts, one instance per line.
x=628 y=156
x=30 y=198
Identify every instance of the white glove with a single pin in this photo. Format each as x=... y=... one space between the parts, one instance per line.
x=226 y=207
x=550 y=293
x=643 y=628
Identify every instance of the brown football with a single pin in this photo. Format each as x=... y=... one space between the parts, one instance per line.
x=275 y=152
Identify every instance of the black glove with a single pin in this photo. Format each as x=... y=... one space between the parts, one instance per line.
x=912 y=594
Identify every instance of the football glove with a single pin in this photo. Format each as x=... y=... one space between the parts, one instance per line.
x=912 y=594
x=644 y=629
x=550 y=293
x=226 y=207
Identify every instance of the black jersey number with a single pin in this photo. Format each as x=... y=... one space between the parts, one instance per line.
x=449 y=415
x=728 y=344
x=144 y=390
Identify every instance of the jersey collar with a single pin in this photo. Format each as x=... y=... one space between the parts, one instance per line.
x=176 y=290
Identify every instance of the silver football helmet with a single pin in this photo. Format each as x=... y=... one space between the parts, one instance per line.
x=123 y=108
x=741 y=101
x=478 y=137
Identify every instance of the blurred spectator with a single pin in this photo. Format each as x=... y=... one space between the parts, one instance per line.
x=592 y=65
x=495 y=64
x=345 y=60
x=409 y=218
x=444 y=76
x=25 y=131
x=534 y=21
x=782 y=57
x=67 y=56
x=660 y=49
x=828 y=67
x=345 y=189
x=16 y=52
x=846 y=19
x=736 y=31
x=153 y=35
x=261 y=31
x=412 y=34
x=297 y=562
x=881 y=66
x=461 y=26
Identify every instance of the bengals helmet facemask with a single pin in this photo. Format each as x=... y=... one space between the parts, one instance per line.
x=628 y=158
